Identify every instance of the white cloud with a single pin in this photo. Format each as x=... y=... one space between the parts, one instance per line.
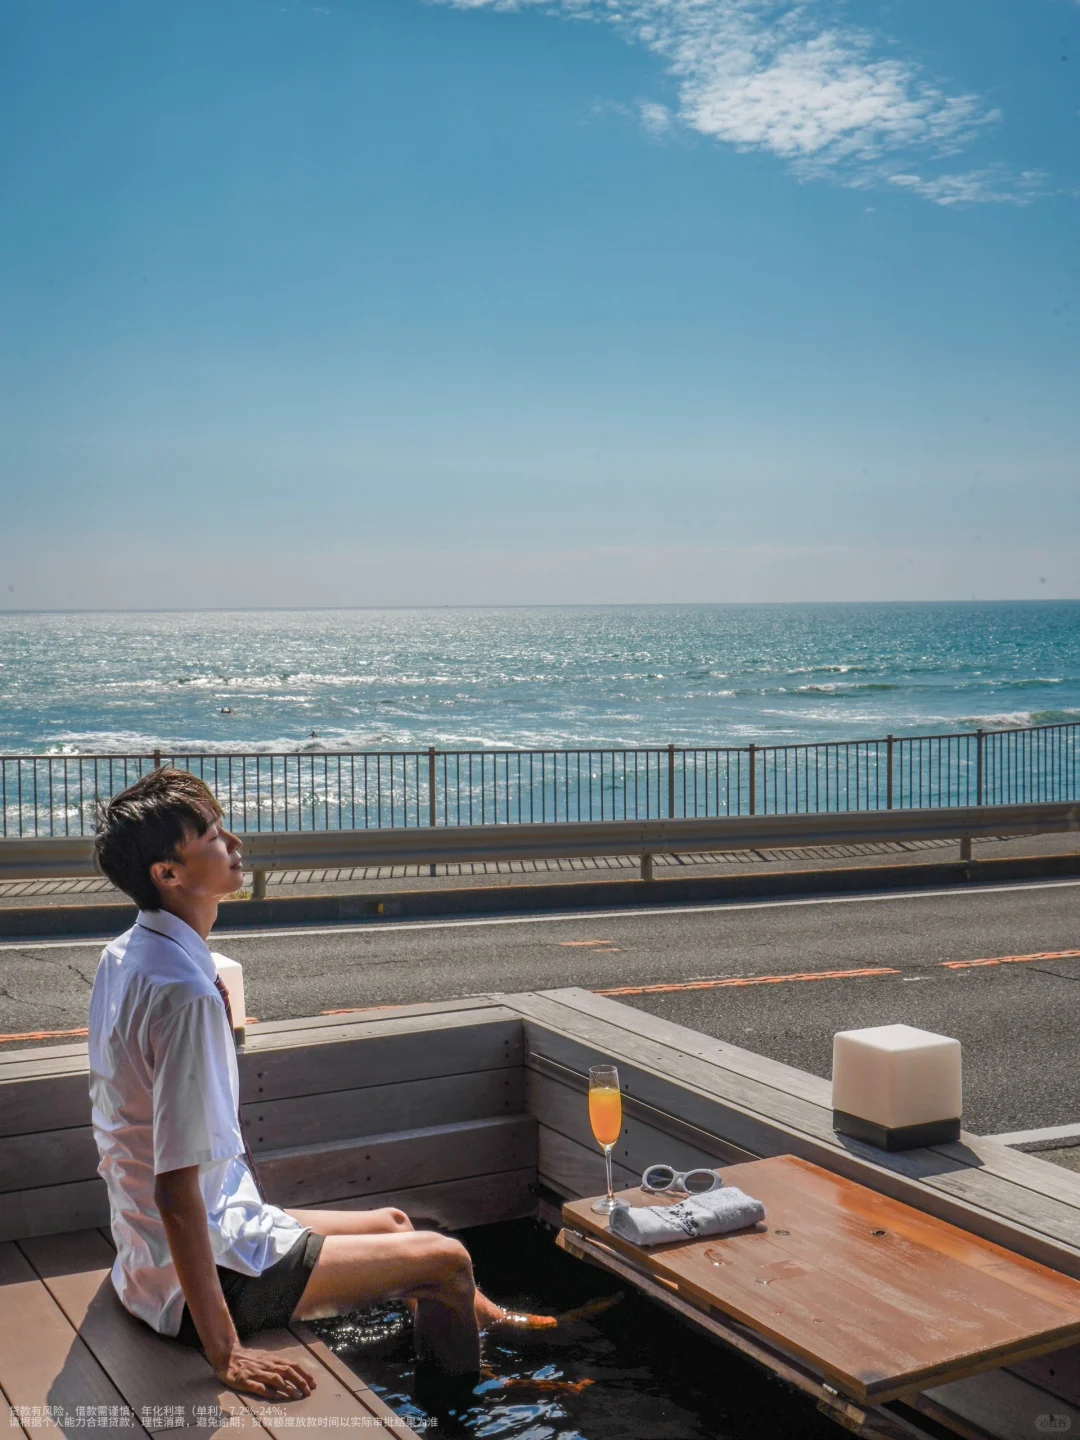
x=656 y=119
x=792 y=79
x=972 y=187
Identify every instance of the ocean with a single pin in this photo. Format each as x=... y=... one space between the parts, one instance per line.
x=299 y=680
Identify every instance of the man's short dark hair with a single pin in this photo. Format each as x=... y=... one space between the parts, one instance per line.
x=146 y=823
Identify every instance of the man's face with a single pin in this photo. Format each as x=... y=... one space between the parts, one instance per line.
x=208 y=866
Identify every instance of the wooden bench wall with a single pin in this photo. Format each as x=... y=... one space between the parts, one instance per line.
x=691 y=1097
x=419 y=1106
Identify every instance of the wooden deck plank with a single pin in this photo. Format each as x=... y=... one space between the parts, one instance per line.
x=50 y=1209
x=363 y=1013
x=455 y=1204
x=369 y=1025
x=572 y=1170
x=1029 y=1171
x=379 y=1109
x=13 y=1426
x=52 y=1157
x=1057 y=1374
x=1003 y=1405
x=43 y=1052
x=309 y=1174
x=882 y=1302
x=331 y=1398
x=43 y=1362
x=352 y=1382
x=153 y=1373
x=744 y=1063
x=350 y=1057
x=44 y=1102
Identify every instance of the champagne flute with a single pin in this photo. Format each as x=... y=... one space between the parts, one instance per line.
x=605 y=1117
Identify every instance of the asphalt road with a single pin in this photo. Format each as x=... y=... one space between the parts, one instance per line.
x=1018 y=1021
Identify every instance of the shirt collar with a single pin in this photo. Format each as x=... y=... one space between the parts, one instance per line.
x=163 y=922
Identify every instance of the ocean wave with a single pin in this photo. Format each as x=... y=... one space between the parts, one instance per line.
x=837 y=688
x=306 y=677
x=1033 y=682
x=1020 y=719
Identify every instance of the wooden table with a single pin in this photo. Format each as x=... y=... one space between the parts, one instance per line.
x=877 y=1297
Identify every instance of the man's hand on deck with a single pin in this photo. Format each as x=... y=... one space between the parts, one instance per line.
x=258 y=1372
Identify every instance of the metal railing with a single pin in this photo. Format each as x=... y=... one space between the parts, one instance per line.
x=58 y=795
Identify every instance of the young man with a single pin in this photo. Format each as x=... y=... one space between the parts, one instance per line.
x=199 y=1253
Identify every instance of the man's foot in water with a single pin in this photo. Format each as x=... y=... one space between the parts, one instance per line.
x=494 y=1317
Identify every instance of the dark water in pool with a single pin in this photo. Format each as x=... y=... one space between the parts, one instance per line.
x=651 y=1377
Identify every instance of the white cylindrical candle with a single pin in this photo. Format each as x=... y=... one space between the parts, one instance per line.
x=232 y=975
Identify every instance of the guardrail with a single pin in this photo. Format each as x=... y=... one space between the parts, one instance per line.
x=58 y=795
x=317 y=849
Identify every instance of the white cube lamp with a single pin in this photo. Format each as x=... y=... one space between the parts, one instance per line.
x=232 y=974
x=897 y=1087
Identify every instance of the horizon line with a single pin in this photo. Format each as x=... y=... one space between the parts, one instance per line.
x=517 y=605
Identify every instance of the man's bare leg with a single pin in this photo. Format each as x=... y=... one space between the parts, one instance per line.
x=389 y=1221
x=355 y=1270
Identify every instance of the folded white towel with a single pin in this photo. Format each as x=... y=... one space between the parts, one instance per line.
x=714 y=1213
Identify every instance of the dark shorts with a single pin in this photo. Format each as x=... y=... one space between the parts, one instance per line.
x=266 y=1301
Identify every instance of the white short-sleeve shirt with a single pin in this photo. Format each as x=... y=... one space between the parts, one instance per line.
x=164 y=1091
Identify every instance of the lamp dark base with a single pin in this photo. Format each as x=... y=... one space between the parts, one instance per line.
x=904 y=1137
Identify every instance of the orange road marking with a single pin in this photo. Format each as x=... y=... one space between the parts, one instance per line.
x=590 y=944
x=1012 y=959
x=834 y=974
x=748 y=980
x=45 y=1035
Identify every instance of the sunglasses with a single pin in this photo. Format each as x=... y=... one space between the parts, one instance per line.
x=661 y=1179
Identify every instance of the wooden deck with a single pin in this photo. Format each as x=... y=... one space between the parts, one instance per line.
x=73 y=1360
x=471 y=1111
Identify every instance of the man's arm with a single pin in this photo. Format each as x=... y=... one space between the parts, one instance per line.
x=183 y=1214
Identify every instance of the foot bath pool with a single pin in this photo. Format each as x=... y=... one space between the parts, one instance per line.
x=627 y=1370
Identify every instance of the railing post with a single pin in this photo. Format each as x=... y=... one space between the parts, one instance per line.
x=646 y=866
x=753 y=779
x=671 y=782
x=889 y=782
x=978 y=767
x=258 y=884
x=157 y=759
x=431 y=794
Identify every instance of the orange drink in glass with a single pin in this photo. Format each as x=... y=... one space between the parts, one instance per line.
x=605 y=1117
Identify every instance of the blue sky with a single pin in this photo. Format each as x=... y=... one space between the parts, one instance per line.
x=379 y=301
